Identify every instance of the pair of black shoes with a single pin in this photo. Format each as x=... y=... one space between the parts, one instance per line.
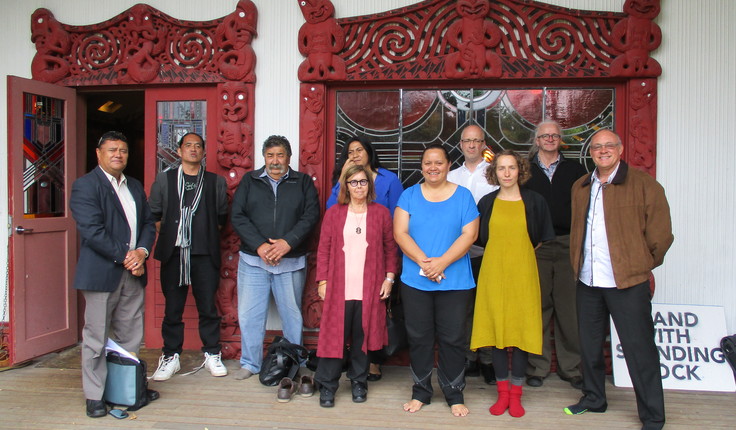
x=359 y=390
x=473 y=368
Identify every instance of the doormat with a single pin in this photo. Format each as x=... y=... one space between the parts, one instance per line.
x=71 y=359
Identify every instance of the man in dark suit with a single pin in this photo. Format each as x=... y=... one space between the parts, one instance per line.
x=190 y=206
x=116 y=230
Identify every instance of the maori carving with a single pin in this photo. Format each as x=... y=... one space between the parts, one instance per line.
x=473 y=36
x=320 y=38
x=145 y=46
x=237 y=59
x=52 y=44
x=235 y=137
x=636 y=36
x=143 y=43
x=641 y=140
x=477 y=40
x=311 y=162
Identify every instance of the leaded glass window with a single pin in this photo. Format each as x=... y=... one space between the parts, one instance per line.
x=175 y=119
x=44 y=154
x=402 y=122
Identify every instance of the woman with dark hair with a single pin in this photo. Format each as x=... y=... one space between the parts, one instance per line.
x=508 y=308
x=356 y=267
x=435 y=223
x=359 y=152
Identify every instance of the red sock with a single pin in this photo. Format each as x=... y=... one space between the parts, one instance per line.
x=515 y=408
x=503 y=398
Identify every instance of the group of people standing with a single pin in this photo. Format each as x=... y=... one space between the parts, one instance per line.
x=486 y=256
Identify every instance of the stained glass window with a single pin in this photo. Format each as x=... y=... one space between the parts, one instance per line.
x=174 y=120
x=44 y=153
x=402 y=122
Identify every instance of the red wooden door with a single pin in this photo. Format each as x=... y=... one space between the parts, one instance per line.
x=171 y=113
x=42 y=151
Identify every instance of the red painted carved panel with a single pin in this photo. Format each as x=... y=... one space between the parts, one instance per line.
x=144 y=46
x=482 y=43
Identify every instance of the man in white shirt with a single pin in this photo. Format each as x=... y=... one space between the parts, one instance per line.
x=620 y=231
x=472 y=175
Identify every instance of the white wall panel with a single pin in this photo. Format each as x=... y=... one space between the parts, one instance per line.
x=696 y=94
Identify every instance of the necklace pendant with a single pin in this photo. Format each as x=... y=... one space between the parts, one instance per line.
x=358 y=230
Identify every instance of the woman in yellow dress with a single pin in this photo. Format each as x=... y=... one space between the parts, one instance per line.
x=508 y=308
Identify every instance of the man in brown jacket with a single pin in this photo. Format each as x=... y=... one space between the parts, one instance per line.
x=620 y=231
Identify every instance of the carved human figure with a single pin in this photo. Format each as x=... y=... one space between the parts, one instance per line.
x=143 y=44
x=636 y=36
x=52 y=44
x=320 y=38
x=643 y=96
x=236 y=58
x=234 y=141
x=312 y=103
x=474 y=37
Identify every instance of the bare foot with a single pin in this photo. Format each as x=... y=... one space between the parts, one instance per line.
x=459 y=410
x=413 y=405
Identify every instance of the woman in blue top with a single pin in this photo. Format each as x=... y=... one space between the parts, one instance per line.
x=435 y=223
x=359 y=151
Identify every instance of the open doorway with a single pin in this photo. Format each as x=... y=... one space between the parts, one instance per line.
x=121 y=111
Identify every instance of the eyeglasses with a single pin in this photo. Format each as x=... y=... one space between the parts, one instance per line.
x=609 y=145
x=476 y=141
x=354 y=183
x=549 y=136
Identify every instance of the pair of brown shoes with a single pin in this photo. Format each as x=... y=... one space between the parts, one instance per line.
x=304 y=385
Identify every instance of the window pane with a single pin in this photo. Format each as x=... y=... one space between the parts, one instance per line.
x=401 y=123
x=174 y=120
x=44 y=152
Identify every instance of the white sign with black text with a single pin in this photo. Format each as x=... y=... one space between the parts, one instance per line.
x=688 y=338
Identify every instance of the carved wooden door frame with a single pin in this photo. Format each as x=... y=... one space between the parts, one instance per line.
x=472 y=42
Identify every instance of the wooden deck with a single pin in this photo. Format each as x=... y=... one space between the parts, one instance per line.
x=37 y=397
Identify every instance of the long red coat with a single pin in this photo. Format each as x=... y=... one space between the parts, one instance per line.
x=381 y=257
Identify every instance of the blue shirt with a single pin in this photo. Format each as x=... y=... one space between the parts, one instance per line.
x=435 y=226
x=388 y=189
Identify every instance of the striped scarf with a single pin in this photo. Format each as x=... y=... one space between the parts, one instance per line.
x=184 y=234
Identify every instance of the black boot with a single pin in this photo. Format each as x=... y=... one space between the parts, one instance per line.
x=489 y=375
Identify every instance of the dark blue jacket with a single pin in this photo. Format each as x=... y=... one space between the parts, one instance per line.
x=104 y=231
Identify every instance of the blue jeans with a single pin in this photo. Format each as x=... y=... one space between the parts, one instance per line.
x=254 y=288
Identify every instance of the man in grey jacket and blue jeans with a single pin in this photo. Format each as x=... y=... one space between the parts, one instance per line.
x=274 y=211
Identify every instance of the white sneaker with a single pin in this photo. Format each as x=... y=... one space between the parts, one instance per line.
x=213 y=363
x=167 y=366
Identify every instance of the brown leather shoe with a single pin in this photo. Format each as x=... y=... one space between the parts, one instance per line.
x=286 y=391
x=306 y=386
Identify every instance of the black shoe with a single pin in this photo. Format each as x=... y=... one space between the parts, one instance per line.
x=534 y=381
x=489 y=375
x=326 y=398
x=96 y=408
x=580 y=408
x=471 y=368
x=373 y=377
x=360 y=391
x=152 y=395
x=575 y=381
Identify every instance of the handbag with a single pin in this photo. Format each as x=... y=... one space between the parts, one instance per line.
x=126 y=383
x=395 y=325
x=281 y=361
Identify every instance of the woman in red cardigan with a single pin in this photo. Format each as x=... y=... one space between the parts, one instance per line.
x=356 y=266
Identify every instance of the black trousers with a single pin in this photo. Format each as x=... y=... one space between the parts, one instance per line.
x=329 y=369
x=440 y=316
x=205 y=280
x=631 y=310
